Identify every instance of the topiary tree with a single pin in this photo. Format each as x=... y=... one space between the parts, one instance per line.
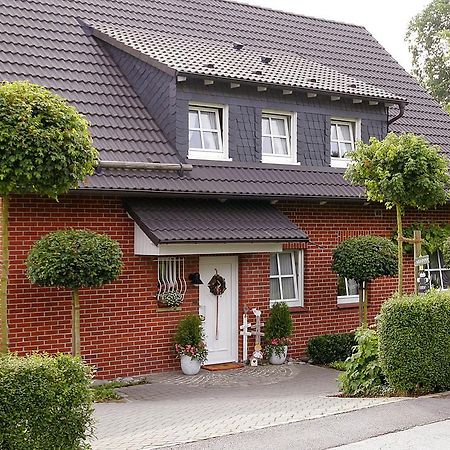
x=363 y=259
x=45 y=148
x=74 y=259
x=400 y=171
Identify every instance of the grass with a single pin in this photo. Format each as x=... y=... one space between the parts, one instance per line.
x=106 y=392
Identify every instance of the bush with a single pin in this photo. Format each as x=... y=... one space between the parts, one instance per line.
x=189 y=338
x=279 y=323
x=45 y=403
x=415 y=342
x=328 y=348
x=363 y=375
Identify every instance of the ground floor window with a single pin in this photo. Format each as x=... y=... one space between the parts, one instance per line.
x=438 y=273
x=286 y=277
x=347 y=291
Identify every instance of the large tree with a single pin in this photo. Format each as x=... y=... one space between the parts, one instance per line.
x=429 y=43
x=74 y=259
x=363 y=259
x=45 y=148
x=400 y=171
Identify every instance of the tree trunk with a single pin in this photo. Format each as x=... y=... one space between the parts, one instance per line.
x=76 y=343
x=4 y=275
x=360 y=301
x=400 y=248
x=366 y=305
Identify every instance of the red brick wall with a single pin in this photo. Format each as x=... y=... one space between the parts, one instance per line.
x=124 y=333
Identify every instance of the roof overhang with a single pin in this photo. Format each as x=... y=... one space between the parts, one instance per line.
x=184 y=227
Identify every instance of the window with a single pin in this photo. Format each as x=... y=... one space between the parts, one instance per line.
x=344 y=134
x=347 y=291
x=438 y=274
x=279 y=138
x=171 y=276
x=286 y=278
x=208 y=127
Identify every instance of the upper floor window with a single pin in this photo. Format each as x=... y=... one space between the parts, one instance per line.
x=208 y=128
x=279 y=138
x=286 y=277
x=344 y=134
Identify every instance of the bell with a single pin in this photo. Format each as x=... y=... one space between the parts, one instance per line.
x=195 y=279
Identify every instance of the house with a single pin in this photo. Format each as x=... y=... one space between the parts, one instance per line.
x=222 y=130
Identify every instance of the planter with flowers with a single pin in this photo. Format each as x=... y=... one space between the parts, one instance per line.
x=189 y=344
x=277 y=332
x=170 y=299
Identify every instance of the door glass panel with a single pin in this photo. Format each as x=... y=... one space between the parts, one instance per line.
x=285 y=263
x=275 y=293
x=194 y=139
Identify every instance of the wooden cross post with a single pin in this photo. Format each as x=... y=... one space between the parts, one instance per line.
x=258 y=334
x=417 y=246
x=245 y=332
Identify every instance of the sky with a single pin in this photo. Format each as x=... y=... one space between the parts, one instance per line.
x=387 y=20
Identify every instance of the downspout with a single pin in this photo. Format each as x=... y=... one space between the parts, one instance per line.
x=401 y=107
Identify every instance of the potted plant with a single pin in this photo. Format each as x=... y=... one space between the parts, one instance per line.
x=277 y=331
x=189 y=344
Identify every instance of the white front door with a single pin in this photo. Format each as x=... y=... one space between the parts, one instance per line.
x=221 y=314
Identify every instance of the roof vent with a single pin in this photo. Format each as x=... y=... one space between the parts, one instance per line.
x=266 y=59
x=209 y=65
x=312 y=80
x=258 y=72
x=238 y=46
x=352 y=85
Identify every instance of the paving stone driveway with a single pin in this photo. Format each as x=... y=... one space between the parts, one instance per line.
x=175 y=408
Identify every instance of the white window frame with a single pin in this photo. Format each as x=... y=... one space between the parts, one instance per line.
x=355 y=129
x=211 y=154
x=347 y=299
x=291 y=121
x=298 y=265
x=439 y=269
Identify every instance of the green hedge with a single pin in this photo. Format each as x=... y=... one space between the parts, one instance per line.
x=45 y=403
x=328 y=348
x=414 y=333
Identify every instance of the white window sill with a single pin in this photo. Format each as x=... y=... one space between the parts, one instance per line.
x=347 y=299
x=290 y=303
x=289 y=162
x=208 y=155
x=341 y=163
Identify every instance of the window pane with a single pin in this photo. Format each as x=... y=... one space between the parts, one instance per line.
x=211 y=140
x=273 y=265
x=275 y=289
x=434 y=262
x=193 y=119
x=194 y=139
x=208 y=120
x=345 y=132
x=435 y=279
x=265 y=126
x=285 y=263
x=352 y=287
x=267 y=145
x=333 y=132
x=342 y=289
x=345 y=147
x=288 y=288
x=446 y=279
x=279 y=127
x=334 y=150
x=280 y=146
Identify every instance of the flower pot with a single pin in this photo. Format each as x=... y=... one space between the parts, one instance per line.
x=190 y=366
x=277 y=360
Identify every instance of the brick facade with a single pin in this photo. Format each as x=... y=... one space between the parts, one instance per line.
x=124 y=333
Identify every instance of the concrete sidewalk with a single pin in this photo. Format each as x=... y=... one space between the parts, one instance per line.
x=176 y=409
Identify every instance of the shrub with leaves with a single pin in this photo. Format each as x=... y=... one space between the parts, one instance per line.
x=329 y=348
x=189 y=338
x=74 y=259
x=363 y=375
x=414 y=335
x=45 y=403
x=278 y=329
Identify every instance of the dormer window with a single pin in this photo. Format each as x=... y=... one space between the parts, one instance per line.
x=344 y=134
x=208 y=128
x=279 y=138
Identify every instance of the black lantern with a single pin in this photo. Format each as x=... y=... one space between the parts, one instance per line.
x=195 y=279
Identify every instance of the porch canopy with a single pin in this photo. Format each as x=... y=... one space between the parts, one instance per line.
x=190 y=226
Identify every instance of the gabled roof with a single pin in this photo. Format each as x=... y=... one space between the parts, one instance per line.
x=226 y=60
